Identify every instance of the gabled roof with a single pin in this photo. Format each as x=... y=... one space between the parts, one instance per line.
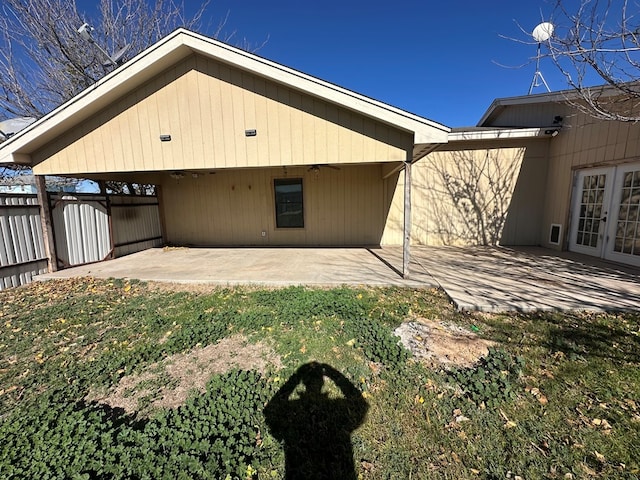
x=180 y=44
x=499 y=104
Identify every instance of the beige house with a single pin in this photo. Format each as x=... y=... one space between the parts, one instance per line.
x=541 y=173
x=245 y=151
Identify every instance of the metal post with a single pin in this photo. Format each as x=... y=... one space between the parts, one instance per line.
x=406 y=242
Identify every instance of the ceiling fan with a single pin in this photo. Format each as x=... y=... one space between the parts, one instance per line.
x=316 y=168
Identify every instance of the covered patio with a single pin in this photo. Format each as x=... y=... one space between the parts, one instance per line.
x=475 y=278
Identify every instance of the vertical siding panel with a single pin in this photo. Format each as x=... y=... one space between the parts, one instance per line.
x=215 y=110
x=263 y=156
x=205 y=119
x=165 y=106
x=114 y=136
x=333 y=146
x=249 y=112
x=238 y=125
x=285 y=124
x=273 y=119
x=145 y=117
x=357 y=141
x=382 y=149
x=369 y=147
x=128 y=138
x=344 y=135
x=320 y=130
x=308 y=130
x=182 y=150
x=227 y=126
x=297 y=128
x=138 y=140
x=193 y=118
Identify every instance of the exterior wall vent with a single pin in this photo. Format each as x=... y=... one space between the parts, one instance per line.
x=555 y=234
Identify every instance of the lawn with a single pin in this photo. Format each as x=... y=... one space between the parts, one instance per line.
x=114 y=379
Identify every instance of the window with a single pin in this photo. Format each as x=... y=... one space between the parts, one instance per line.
x=289 y=208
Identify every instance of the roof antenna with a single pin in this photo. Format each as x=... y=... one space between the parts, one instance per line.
x=541 y=33
x=115 y=60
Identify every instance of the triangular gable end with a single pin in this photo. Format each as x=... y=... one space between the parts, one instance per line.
x=176 y=48
x=214 y=116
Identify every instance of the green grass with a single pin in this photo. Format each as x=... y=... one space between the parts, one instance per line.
x=559 y=398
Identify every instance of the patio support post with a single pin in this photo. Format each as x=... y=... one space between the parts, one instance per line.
x=47 y=225
x=406 y=239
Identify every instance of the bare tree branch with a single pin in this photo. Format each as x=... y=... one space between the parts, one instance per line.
x=599 y=43
x=44 y=61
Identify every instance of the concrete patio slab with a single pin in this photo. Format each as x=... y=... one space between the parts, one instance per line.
x=475 y=278
x=529 y=279
x=254 y=266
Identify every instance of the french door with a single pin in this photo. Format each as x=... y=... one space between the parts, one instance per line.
x=606 y=213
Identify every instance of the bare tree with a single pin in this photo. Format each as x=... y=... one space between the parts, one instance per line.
x=44 y=61
x=598 y=43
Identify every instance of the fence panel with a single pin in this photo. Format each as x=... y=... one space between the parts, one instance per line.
x=82 y=231
x=22 y=254
x=81 y=225
x=136 y=223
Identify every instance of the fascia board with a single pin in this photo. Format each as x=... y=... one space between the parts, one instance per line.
x=497 y=134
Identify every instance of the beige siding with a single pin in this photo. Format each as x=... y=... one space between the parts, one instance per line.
x=234 y=207
x=206 y=107
x=527 y=115
x=584 y=142
x=506 y=207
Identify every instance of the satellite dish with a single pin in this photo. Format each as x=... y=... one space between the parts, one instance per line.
x=117 y=57
x=9 y=128
x=540 y=34
x=543 y=32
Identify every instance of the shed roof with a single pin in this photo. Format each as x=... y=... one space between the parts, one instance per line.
x=180 y=44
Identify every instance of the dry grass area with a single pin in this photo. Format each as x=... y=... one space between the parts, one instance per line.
x=169 y=383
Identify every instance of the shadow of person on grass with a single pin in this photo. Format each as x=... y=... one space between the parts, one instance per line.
x=314 y=428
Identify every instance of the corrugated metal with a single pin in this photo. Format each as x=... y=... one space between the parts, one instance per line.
x=136 y=224
x=81 y=225
x=22 y=252
x=82 y=233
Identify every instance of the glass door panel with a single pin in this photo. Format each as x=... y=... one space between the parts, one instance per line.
x=591 y=203
x=624 y=231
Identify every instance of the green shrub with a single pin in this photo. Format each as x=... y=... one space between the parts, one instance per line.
x=214 y=435
x=378 y=343
x=492 y=380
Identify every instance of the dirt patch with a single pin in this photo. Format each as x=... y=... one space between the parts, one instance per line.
x=442 y=343
x=167 y=384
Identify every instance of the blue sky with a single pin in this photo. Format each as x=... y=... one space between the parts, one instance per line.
x=435 y=59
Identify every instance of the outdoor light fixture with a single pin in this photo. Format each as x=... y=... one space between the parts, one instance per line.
x=250 y=133
x=552 y=131
x=165 y=138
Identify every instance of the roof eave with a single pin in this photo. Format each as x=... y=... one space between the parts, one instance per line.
x=498 y=134
x=181 y=44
